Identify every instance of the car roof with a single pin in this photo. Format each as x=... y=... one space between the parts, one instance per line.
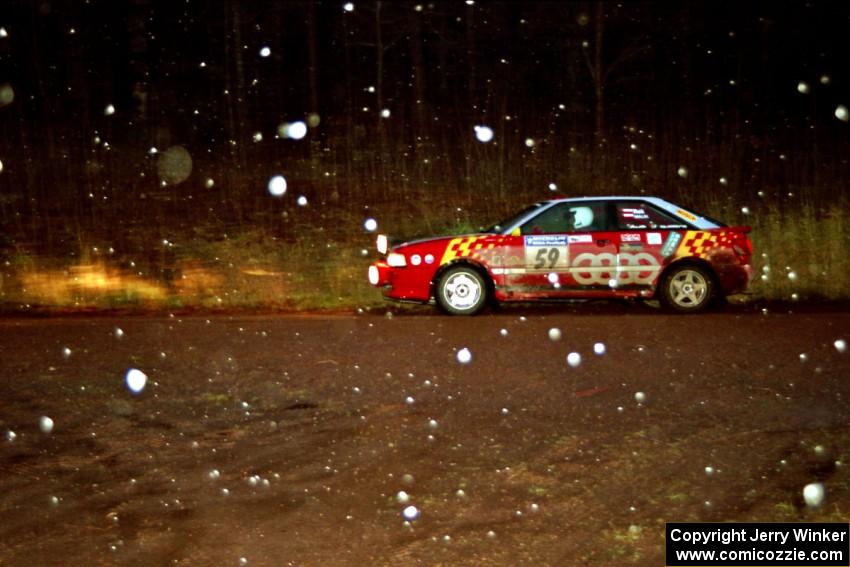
x=688 y=216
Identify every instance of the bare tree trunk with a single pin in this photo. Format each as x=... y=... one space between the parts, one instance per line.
x=599 y=76
x=417 y=61
x=235 y=106
x=313 y=81
x=470 y=56
x=379 y=93
x=349 y=115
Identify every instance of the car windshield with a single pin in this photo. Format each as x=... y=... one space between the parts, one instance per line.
x=510 y=221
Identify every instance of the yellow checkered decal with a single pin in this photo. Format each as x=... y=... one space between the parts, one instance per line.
x=699 y=243
x=470 y=247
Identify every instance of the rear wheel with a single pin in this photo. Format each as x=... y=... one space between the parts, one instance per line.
x=687 y=289
x=462 y=291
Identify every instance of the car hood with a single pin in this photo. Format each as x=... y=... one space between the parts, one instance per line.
x=436 y=240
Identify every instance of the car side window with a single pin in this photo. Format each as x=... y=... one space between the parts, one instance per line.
x=553 y=220
x=567 y=217
x=589 y=216
x=635 y=215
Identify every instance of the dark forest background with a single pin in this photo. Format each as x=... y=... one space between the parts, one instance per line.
x=137 y=125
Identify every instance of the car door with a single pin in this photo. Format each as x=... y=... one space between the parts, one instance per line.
x=537 y=252
x=646 y=238
x=563 y=251
x=592 y=248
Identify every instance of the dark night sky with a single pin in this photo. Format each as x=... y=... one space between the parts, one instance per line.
x=714 y=79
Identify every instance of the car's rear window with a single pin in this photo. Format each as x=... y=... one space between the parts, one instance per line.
x=709 y=219
x=637 y=215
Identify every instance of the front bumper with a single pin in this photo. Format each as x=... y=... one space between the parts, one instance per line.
x=402 y=284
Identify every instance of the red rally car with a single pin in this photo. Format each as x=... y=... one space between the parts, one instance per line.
x=588 y=247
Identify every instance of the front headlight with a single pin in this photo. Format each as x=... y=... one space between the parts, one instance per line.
x=374 y=275
x=382 y=244
x=396 y=260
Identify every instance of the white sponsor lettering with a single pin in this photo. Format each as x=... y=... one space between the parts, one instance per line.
x=653 y=238
x=579 y=238
x=630 y=238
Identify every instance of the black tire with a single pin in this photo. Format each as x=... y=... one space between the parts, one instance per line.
x=462 y=290
x=688 y=288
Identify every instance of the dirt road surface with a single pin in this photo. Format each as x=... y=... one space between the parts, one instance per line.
x=301 y=440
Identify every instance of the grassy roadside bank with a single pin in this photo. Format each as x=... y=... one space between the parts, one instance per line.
x=320 y=261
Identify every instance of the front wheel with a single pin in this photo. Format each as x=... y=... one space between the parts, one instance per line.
x=462 y=291
x=686 y=289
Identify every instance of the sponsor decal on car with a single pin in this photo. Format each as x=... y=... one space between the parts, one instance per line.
x=630 y=238
x=699 y=243
x=686 y=215
x=546 y=240
x=634 y=213
x=671 y=244
x=639 y=268
x=477 y=247
x=546 y=252
x=579 y=238
x=653 y=238
x=631 y=246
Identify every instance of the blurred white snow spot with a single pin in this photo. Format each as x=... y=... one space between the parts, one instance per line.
x=574 y=359
x=7 y=94
x=484 y=133
x=411 y=513
x=45 y=424
x=840 y=345
x=813 y=494
x=370 y=225
x=293 y=130
x=348 y=6
x=464 y=356
x=841 y=113
x=682 y=172
x=135 y=380
x=554 y=334
x=277 y=186
x=803 y=87
x=109 y=110
x=265 y=51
